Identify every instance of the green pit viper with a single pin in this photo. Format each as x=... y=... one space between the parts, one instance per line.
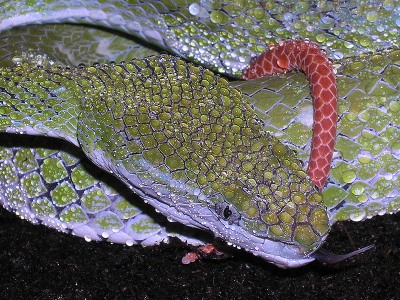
x=91 y=73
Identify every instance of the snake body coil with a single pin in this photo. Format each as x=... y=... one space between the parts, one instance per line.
x=187 y=141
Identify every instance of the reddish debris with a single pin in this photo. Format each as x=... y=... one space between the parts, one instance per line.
x=201 y=252
x=190 y=257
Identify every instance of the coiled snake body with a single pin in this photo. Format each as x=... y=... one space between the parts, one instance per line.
x=190 y=143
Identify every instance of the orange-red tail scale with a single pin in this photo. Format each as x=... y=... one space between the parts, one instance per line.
x=307 y=57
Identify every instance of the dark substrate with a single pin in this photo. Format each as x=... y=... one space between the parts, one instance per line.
x=40 y=263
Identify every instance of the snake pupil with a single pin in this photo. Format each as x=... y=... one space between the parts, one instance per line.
x=227 y=213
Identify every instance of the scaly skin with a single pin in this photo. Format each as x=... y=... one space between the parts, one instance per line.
x=364 y=181
x=307 y=57
x=182 y=152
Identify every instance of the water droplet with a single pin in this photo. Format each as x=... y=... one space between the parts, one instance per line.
x=380 y=28
x=372 y=16
x=297 y=25
x=365 y=42
x=374 y=195
x=218 y=17
x=194 y=9
x=394 y=106
x=348 y=45
x=368 y=134
x=351 y=116
x=357 y=189
x=349 y=176
x=327 y=20
x=359 y=216
x=363 y=198
x=364 y=157
x=338 y=55
x=320 y=38
x=288 y=16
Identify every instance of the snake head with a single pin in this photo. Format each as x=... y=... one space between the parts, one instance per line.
x=188 y=143
x=285 y=231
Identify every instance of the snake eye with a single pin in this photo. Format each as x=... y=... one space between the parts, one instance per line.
x=227 y=212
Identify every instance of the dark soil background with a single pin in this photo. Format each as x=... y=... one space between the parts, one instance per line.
x=40 y=263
